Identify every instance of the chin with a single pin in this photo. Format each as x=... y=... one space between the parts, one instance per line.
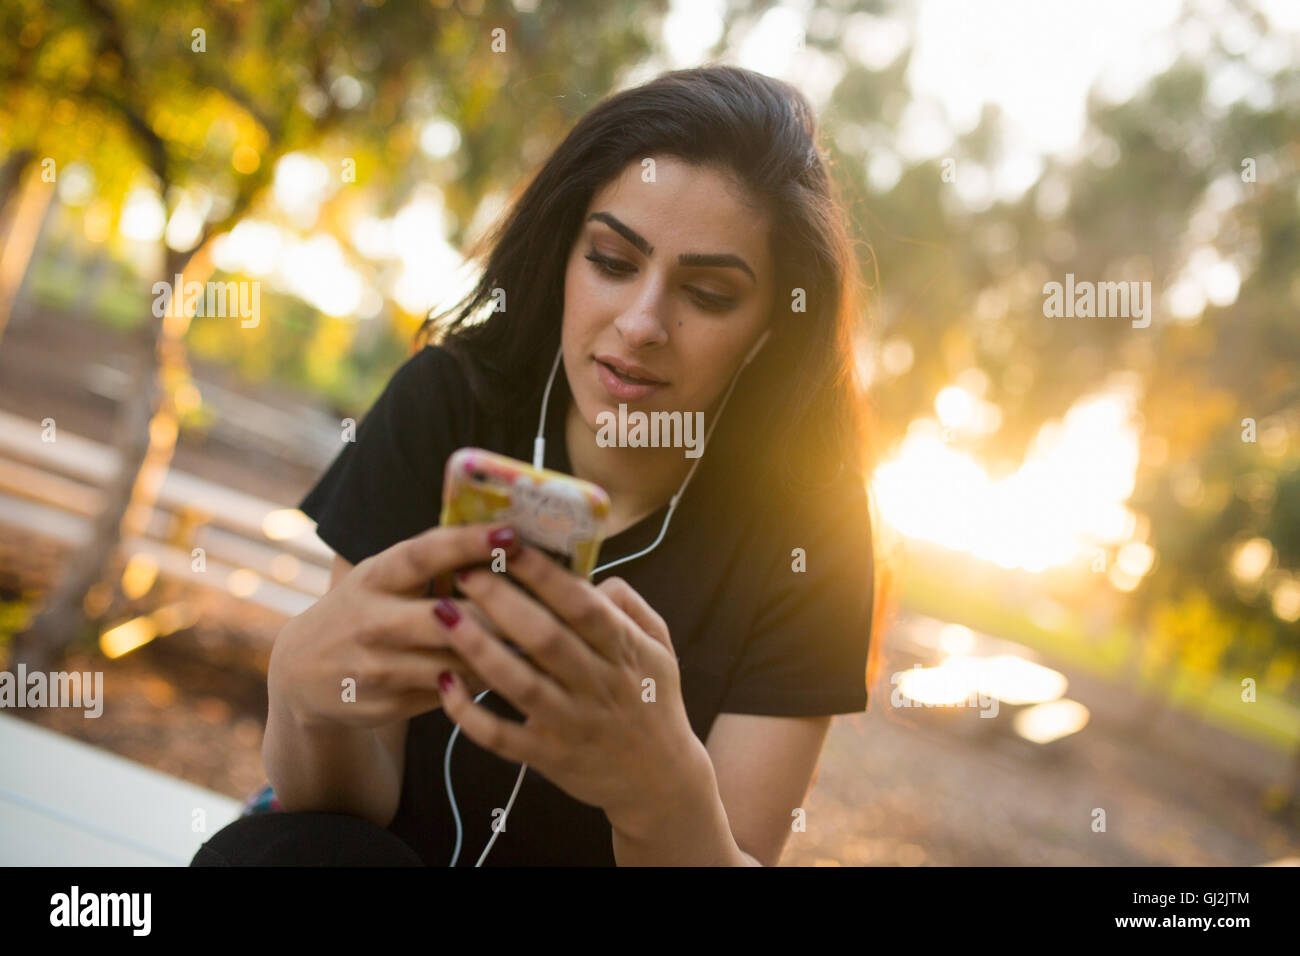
x=589 y=407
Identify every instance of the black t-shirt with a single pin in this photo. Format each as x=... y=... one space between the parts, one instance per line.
x=752 y=634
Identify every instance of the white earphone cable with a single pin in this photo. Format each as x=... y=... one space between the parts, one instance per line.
x=539 y=456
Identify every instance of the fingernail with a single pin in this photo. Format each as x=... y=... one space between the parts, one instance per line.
x=461 y=576
x=445 y=680
x=505 y=538
x=446 y=612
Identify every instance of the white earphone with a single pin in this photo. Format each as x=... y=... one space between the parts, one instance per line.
x=539 y=456
x=762 y=340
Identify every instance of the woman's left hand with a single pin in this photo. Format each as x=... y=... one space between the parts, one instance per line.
x=600 y=693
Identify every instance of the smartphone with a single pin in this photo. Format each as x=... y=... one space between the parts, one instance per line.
x=562 y=516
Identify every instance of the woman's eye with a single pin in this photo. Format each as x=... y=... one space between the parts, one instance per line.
x=612 y=267
x=710 y=302
x=617 y=268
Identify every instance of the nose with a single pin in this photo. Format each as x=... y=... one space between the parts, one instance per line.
x=643 y=325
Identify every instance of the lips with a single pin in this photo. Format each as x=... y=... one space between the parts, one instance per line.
x=630 y=372
x=622 y=387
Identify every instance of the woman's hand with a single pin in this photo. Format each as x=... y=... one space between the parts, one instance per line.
x=600 y=691
x=377 y=628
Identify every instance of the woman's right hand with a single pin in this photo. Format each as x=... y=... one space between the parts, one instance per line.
x=377 y=627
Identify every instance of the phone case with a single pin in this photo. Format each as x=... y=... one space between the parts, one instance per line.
x=549 y=509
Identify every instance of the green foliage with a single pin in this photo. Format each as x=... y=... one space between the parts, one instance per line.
x=1160 y=176
x=15 y=615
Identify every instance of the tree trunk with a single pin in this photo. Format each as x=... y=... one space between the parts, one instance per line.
x=28 y=215
x=11 y=173
x=144 y=439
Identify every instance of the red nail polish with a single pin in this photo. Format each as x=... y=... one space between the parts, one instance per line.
x=506 y=539
x=445 y=680
x=446 y=612
x=461 y=576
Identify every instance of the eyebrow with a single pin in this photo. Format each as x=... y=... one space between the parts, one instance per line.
x=725 y=259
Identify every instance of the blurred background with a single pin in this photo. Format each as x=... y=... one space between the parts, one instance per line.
x=1092 y=527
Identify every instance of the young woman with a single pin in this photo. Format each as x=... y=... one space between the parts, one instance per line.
x=682 y=250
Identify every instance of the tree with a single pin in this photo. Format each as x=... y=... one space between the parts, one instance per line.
x=205 y=99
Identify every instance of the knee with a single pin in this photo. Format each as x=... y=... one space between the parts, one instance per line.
x=304 y=839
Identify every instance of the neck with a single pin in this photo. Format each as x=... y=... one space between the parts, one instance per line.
x=639 y=481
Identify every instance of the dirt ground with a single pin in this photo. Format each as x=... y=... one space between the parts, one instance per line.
x=192 y=704
x=904 y=792
x=894 y=787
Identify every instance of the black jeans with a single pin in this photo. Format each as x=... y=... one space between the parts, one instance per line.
x=304 y=839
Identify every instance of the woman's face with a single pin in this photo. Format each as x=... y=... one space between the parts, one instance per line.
x=681 y=291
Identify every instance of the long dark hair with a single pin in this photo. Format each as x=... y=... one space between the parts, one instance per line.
x=798 y=413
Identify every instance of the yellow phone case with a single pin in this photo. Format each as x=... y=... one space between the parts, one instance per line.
x=549 y=509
